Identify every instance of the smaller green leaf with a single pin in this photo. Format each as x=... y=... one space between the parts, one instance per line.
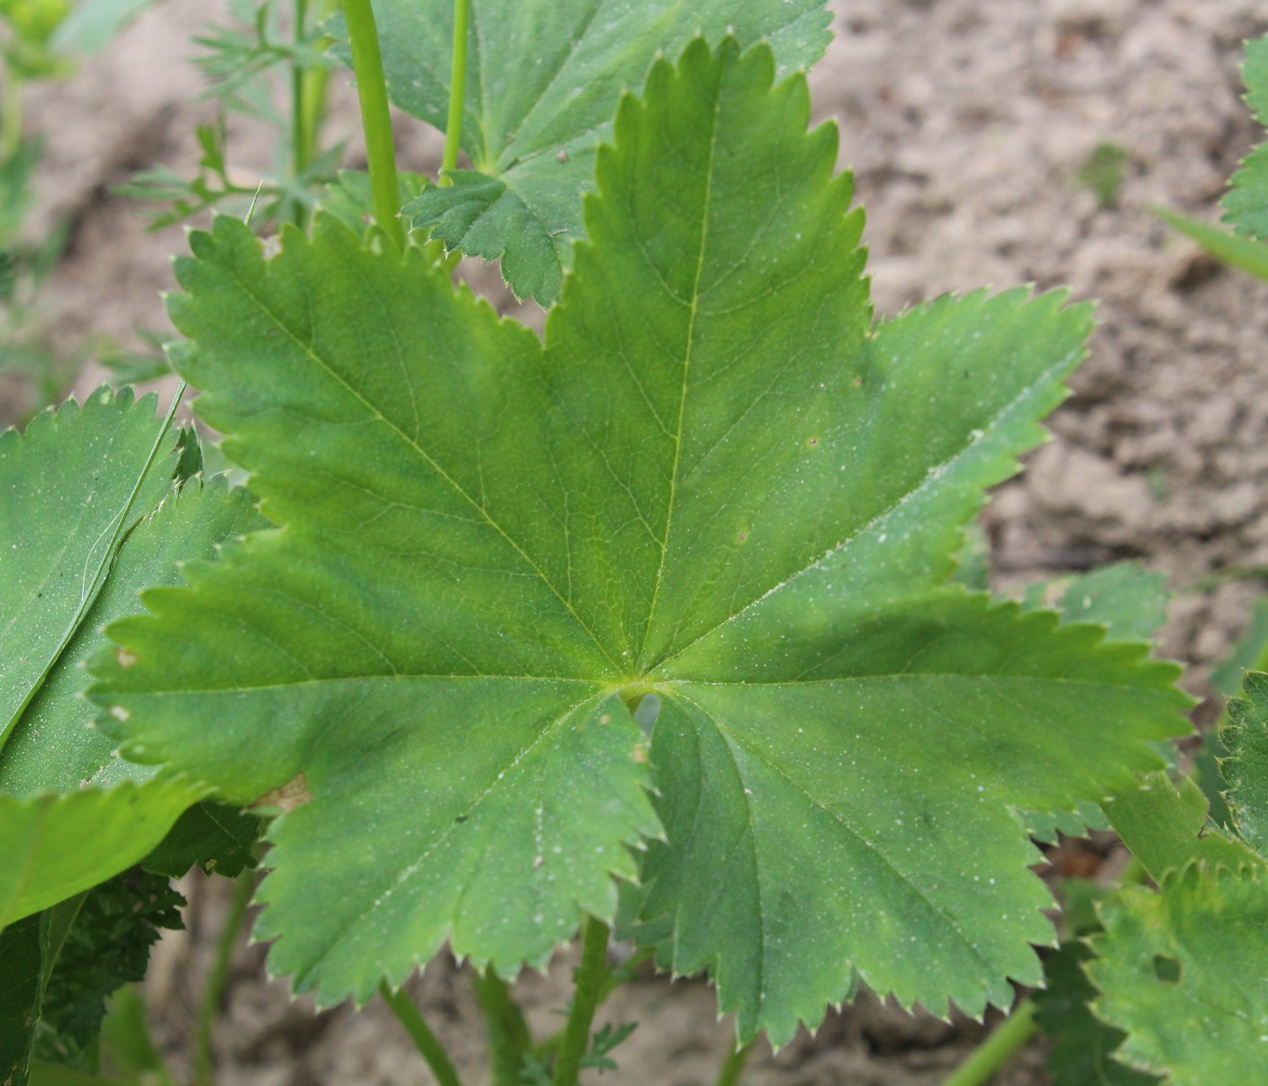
x=214 y=836
x=1241 y=252
x=1246 y=769
x=1127 y=599
x=1046 y=826
x=1246 y=202
x=1184 y=972
x=1083 y=1045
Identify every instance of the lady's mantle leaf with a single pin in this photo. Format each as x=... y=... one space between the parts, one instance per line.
x=543 y=81
x=1184 y=972
x=1246 y=770
x=715 y=482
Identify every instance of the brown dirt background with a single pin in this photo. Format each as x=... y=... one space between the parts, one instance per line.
x=966 y=123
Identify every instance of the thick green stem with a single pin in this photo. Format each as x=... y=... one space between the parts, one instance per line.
x=420 y=1033
x=590 y=981
x=457 y=89
x=214 y=989
x=376 y=120
x=730 y=1073
x=1009 y=1037
x=507 y=1031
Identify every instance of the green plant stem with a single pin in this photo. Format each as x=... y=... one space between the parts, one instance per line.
x=214 y=989
x=457 y=89
x=420 y=1033
x=590 y=979
x=731 y=1070
x=376 y=120
x=508 y=1035
x=1008 y=1038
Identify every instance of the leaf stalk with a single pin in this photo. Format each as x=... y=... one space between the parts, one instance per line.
x=427 y=1043
x=214 y=990
x=507 y=1031
x=1009 y=1037
x=731 y=1070
x=590 y=981
x=457 y=90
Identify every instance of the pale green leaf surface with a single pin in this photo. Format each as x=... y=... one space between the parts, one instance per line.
x=543 y=82
x=1246 y=202
x=1246 y=769
x=714 y=482
x=91 y=25
x=1211 y=1024
x=70 y=488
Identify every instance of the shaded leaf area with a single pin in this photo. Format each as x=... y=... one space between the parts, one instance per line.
x=533 y=120
x=1245 y=734
x=107 y=946
x=1083 y=1045
x=72 y=814
x=1184 y=972
x=716 y=482
x=210 y=835
x=350 y=199
x=1246 y=202
x=22 y=947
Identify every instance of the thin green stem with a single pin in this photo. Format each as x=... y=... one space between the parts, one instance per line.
x=376 y=120
x=507 y=1031
x=420 y=1033
x=590 y=979
x=731 y=1070
x=214 y=989
x=457 y=89
x=298 y=148
x=1009 y=1037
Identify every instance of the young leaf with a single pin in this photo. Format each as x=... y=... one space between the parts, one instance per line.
x=536 y=113
x=71 y=814
x=1184 y=972
x=1246 y=769
x=1246 y=202
x=715 y=482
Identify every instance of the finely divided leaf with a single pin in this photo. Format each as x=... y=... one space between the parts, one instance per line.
x=543 y=81
x=715 y=482
x=1246 y=769
x=1184 y=972
x=1246 y=203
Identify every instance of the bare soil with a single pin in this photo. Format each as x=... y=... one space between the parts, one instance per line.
x=966 y=123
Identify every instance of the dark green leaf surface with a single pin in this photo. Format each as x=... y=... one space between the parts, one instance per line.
x=70 y=489
x=543 y=81
x=715 y=482
x=1184 y=972
x=22 y=948
x=1081 y=1054
x=1246 y=202
x=212 y=835
x=1246 y=769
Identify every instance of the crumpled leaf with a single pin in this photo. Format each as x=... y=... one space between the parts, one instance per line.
x=1184 y=972
x=1245 y=734
x=533 y=120
x=715 y=482
x=72 y=558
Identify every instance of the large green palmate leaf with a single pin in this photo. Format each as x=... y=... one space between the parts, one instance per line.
x=1246 y=202
x=75 y=557
x=543 y=81
x=715 y=481
x=1184 y=972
